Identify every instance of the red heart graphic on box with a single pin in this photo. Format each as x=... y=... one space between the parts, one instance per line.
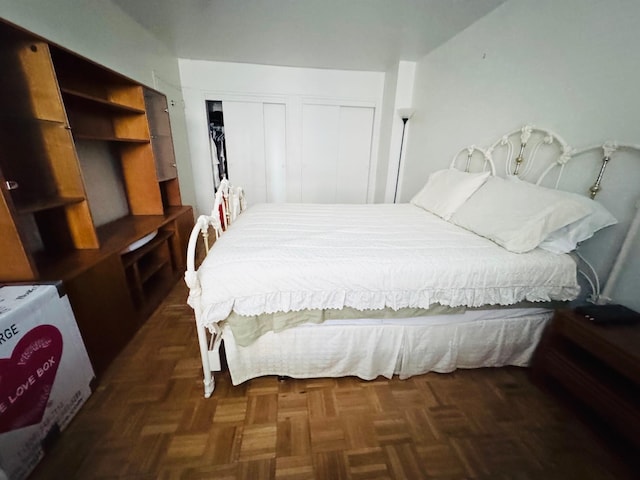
x=26 y=379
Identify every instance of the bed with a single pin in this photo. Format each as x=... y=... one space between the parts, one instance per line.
x=445 y=281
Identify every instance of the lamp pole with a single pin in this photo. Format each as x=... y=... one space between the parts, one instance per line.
x=405 y=117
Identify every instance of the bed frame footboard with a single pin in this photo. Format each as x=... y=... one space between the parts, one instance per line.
x=229 y=202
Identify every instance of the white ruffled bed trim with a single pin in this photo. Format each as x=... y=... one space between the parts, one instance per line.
x=361 y=300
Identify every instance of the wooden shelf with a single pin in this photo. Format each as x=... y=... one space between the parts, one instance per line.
x=9 y=118
x=85 y=136
x=83 y=80
x=116 y=235
x=155 y=290
x=152 y=269
x=76 y=95
x=131 y=257
x=42 y=204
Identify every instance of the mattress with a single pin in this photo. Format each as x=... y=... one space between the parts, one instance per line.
x=291 y=257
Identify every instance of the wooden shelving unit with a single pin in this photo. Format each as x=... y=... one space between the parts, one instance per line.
x=68 y=123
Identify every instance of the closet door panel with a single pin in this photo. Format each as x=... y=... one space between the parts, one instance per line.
x=244 y=135
x=320 y=127
x=336 y=152
x=275 y=147
x=354 y=154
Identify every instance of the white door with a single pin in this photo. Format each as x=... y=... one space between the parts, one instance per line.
x=336 y=153
x=275 y=151
x=256 y=148
x=354 y=154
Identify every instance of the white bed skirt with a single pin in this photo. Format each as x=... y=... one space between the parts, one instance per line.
x=368 y=350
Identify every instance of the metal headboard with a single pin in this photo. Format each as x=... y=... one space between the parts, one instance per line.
x=522 y=152
x=529 y=142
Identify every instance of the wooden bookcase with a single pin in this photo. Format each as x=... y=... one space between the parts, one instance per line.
x=87 y=168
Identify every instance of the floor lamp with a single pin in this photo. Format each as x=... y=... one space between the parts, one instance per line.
x=405 y=115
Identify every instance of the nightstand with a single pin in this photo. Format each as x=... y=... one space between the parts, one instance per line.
x=595 y=365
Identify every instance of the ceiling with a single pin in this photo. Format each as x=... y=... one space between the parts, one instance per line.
x=338 y=34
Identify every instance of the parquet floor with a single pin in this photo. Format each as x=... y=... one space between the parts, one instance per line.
x=148 y=419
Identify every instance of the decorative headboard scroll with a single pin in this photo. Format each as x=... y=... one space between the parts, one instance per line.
x=609 y=148
x=470 y=152
x=529 y=163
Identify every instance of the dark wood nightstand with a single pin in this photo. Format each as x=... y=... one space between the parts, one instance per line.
x=595 y=365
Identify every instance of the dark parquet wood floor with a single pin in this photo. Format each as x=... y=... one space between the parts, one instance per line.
x=147 y=419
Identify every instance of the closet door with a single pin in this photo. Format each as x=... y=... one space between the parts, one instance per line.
x=319 y=153
x=256 y=148
x=336 y=153
x=355 y=131
x=275 y=151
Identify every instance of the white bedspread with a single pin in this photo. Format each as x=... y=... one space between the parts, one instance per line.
x=288 y=257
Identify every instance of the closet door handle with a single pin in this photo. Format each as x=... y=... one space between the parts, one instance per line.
x=12 y=184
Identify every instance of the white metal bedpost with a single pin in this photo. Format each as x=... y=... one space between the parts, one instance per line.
x=208 y=381
x=191 y=279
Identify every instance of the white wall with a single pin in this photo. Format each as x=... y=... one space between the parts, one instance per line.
x=571 y=66
x=386 y=122
x=100 y=31
x=205 y=80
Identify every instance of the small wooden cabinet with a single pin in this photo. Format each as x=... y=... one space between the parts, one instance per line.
x=87 y=168
x=596 y=366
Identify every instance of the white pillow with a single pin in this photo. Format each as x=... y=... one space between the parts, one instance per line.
x=517 y=215
x=446 y=190
x=566 y=239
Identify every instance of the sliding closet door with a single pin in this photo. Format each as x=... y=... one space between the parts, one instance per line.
x=319 y=153
x=275 y=151
x=336 y=153
x=334 y=160
x=354 y=154
x=256 y=148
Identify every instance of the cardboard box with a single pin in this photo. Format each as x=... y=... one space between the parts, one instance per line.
x=45 y=374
